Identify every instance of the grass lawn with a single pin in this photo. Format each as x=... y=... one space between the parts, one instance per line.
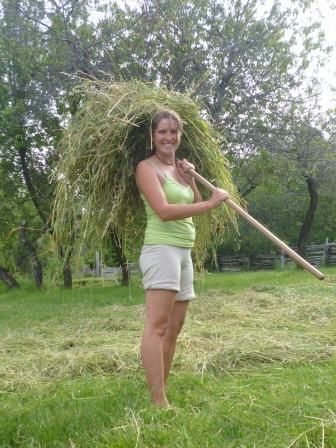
x=255 y=366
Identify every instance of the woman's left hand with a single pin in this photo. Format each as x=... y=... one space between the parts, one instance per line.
x=183 y=167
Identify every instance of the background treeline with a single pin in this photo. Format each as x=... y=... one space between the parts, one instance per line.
x=249 y=66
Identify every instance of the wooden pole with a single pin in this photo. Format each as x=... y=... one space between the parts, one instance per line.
x=290 y=252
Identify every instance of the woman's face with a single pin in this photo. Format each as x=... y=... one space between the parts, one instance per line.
x=166 y=137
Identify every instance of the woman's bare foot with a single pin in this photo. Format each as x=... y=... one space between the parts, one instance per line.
x=163 y=403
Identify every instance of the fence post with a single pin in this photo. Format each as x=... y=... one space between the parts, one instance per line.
x=97 y=267
x=282 y=260
x=325 y=253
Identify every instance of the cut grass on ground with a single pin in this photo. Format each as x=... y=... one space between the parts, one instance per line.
x=255 y=366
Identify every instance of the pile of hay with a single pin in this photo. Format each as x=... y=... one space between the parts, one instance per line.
x=225 y=331
x=96 y=193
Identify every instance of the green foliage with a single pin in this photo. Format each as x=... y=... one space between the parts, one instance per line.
x=35 y=45
x=15 y=207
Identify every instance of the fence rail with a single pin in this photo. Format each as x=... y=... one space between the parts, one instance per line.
x=316 y=254
x=108 y=272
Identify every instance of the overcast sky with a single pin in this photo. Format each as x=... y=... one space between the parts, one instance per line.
x=327 y=10
x=324 y=11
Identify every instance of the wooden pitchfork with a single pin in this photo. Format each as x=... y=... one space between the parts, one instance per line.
x=291 y=253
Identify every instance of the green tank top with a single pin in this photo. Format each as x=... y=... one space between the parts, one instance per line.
x=175 y=233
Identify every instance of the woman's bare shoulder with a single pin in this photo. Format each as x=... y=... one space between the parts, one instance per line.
x=142 y=163
x=148 y=175
x=145 y=169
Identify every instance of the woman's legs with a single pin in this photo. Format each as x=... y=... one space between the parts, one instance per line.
x=167 y=266
x=175 y=324
x=159 y=305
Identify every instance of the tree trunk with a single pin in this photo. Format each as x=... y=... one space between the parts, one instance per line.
x=125 y=272
x=247 y=189
x=67 y=274
x=8 y=278
x=309 y=218
x=36 y=264
x=123 y=262
x=34 y=195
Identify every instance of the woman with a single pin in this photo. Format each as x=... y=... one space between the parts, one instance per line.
x=171 y=199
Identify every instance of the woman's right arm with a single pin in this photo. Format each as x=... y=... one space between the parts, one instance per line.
x=150 y=186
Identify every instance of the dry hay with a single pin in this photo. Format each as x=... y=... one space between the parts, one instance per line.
x=96 y=192
x=261 y=328
x=223 y=333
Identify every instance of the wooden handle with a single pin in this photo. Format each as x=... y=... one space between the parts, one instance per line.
x=290 y=252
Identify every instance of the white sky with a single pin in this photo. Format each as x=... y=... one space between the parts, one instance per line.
x=324 y=12
x=326 y=9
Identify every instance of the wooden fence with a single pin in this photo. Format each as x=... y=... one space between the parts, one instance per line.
x=101 y=270
x=316 y=254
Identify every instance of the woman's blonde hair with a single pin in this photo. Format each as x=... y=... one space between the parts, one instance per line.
x=166 y=114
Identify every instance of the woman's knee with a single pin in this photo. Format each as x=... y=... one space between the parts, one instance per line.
x=174 y=328
x=158 y=328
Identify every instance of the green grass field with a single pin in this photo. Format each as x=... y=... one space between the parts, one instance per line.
x=255 y=366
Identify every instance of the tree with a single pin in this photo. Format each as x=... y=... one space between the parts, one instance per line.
x=7 y=241
x=12 y=257
x=26 y=120
x=317 y=158
x=303 y=163
x=36 y=44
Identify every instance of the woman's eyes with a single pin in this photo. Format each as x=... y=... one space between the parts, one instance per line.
x=166 y=132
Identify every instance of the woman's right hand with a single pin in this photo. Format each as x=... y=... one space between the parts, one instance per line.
x=218 y=196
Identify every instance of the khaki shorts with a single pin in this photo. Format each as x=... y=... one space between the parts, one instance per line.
x=168 y=267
